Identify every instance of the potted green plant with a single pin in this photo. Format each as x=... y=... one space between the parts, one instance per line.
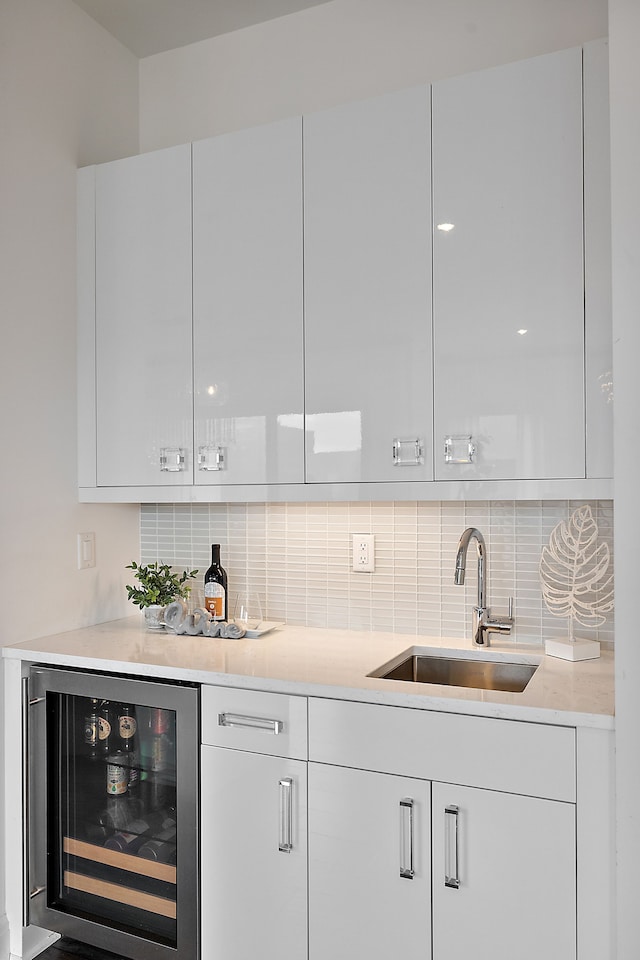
x=158 y=586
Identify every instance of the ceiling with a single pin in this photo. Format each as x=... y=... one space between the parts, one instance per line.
x=152 y=26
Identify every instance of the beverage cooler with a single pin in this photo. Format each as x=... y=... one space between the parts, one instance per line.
x=111 y=818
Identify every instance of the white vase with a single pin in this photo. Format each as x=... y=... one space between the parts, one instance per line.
x=154 y=617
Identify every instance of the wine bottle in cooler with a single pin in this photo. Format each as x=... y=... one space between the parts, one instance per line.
x=162 y=847
x=215 y=586
x=160 y=743
x=138 y=831
x=106 y=721
x=128 y=734
x=90 y=728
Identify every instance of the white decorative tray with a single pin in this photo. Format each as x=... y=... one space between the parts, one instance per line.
x=263 y=628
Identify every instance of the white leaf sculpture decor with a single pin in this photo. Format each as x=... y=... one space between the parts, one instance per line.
x=574 y=573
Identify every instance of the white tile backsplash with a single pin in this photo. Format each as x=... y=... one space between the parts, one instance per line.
x=297 y=557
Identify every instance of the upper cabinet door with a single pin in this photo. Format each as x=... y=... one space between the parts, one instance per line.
x=143 y=320
x=368 y=290
x=508 y=271
x=247 y=302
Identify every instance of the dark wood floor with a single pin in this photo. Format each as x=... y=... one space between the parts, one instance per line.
x=65 y=949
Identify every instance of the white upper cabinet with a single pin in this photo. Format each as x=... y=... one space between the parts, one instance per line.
x=508 y=287
x=597 y=255
x=411 y=288
x=247 y=306
x=368 y=290
x=143 y=320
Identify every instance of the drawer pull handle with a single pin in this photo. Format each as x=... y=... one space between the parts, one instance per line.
x=250 y=723
x=451 y=874
x=285 y=843
x=406 y=839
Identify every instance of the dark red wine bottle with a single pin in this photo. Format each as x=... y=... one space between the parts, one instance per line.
x=215 y=586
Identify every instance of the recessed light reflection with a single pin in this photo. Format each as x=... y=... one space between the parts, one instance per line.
x=522 y=332
x=445 y=227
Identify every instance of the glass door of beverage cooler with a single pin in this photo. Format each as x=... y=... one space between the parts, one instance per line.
x=113 y=812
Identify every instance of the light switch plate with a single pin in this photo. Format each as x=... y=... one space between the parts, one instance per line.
x=86 y=550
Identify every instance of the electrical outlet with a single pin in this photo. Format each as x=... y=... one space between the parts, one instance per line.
x=363 y=546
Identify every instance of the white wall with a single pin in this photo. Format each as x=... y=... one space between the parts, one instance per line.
x=624 y=25
x=68 y=96
x=72 y=100
x=344 y=50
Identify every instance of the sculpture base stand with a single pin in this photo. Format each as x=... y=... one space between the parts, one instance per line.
x=572 y=649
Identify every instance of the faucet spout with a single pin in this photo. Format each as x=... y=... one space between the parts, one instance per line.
x=483 y=623
x=471 y=533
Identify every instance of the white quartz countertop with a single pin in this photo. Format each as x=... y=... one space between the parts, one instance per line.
x=333 y=663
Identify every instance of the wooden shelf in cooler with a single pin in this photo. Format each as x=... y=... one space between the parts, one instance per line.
x=125 y=861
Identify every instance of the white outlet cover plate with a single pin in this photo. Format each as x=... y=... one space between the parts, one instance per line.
x=363 y=552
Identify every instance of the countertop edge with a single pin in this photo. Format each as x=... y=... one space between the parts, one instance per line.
x=525 y=713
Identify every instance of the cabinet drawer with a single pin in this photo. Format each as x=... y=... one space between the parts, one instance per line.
x=269 y=723
x=528 y=758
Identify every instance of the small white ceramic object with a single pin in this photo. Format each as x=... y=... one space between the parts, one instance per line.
x=154 y=617
x=567 y=649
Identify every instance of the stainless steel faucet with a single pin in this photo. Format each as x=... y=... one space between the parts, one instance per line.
x=483 y=622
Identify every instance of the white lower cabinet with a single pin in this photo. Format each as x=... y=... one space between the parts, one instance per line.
x=253 y=825
x=369 y=865
x=500 y=875
x=406 y=833
x=254 y=856
x=504 y=876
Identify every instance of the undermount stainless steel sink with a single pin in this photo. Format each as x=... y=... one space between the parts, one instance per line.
x=505 y=675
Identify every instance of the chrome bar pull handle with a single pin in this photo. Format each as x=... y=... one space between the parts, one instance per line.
x=250 y=723
x=451 y=862
x=285 y=843
x=27 y=893
x=25 y=801
x=407 y=871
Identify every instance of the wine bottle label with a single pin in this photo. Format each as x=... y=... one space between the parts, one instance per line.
x=90 y=732
x=104 y=728
x=214 y=599
x=116 y=778
x=127 y=727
